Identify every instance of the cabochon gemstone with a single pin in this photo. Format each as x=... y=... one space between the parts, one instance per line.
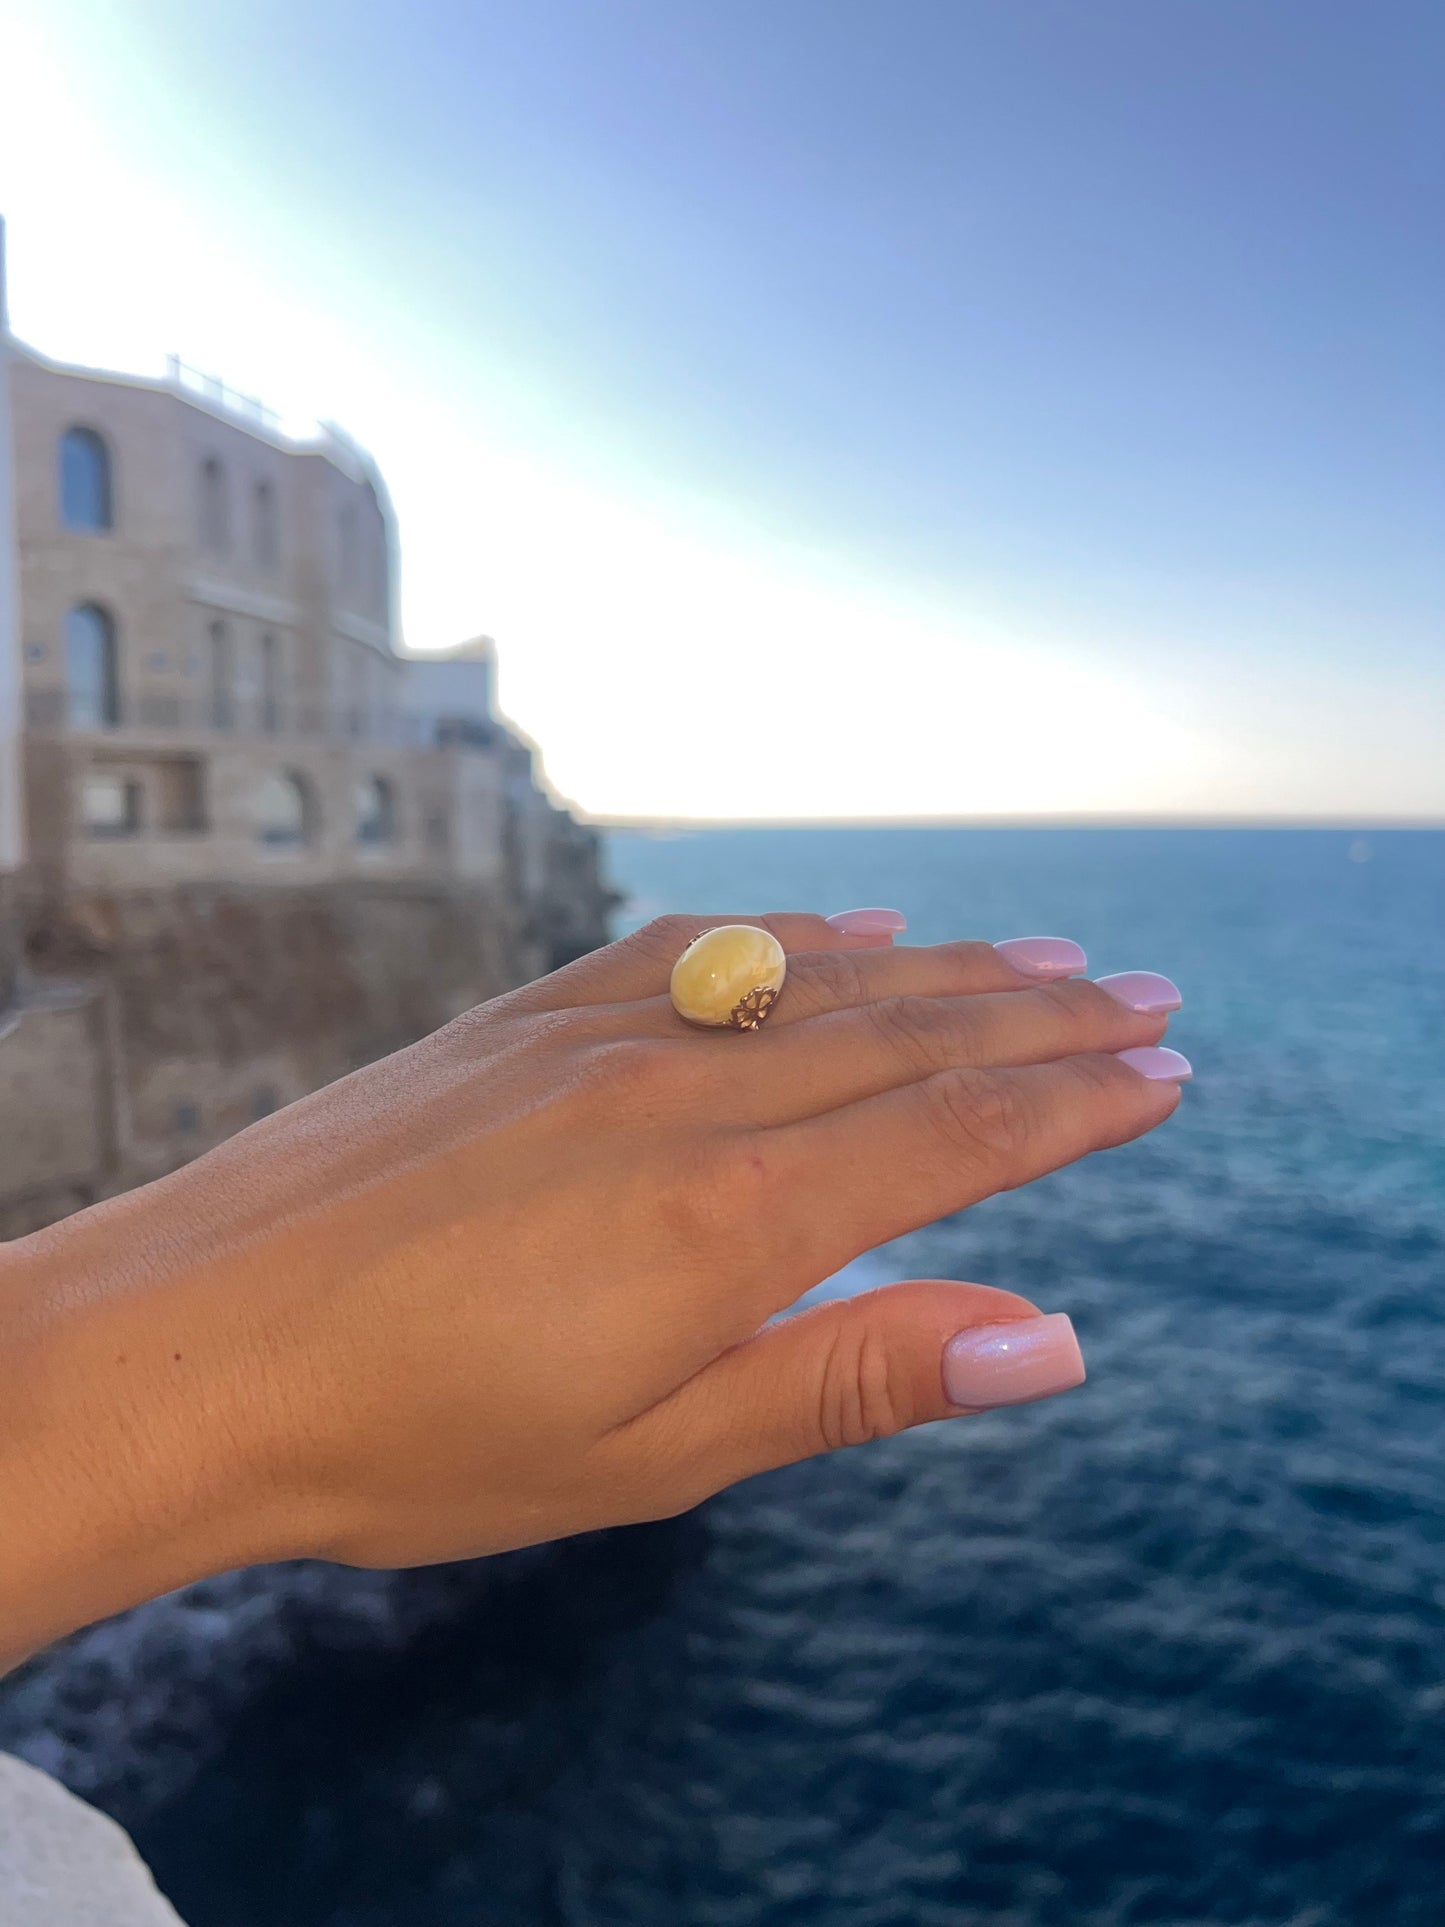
x=720 y=970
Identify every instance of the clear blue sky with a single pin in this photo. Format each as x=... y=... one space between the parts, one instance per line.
x=1036 y=406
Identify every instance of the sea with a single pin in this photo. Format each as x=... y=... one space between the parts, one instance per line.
x=1169 y=1649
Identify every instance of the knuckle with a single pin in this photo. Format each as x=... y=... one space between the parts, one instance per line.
x=663 y=936
x=632 y=1073
x=1061 y=1000
x=1099 y=1075
x=913 y=1029
x=1083 y=1002
x=504 y=1023
x=860 y=1395
x=971 y=963
x=980 y=1115
x=834 y=979
x=974 y=956
x=1070 y=1013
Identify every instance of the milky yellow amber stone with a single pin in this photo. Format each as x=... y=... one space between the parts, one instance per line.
x=729 y=976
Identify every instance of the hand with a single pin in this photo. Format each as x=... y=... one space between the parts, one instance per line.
x=514 y=1282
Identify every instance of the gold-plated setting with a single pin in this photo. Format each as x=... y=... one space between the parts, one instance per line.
x=749 y=1012
x=729 y=978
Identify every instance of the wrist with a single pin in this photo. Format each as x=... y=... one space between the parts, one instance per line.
x=127 y=1463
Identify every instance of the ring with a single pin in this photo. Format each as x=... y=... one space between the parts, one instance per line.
x=729 y=978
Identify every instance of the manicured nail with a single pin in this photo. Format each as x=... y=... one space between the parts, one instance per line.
x=1012 y=1364
x=1043 y=956
x=1142 y=990
x=868 y=923
x=1158 y=1063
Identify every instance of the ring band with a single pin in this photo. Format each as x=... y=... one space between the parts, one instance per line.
x=729 y=978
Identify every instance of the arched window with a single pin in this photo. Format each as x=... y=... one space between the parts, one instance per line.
x=270 y=682
x=85 y=496
x=223 y=676
x=215 y=508
x=91 y=669
x=265 y=536
x=375 y=811
x=283 y=811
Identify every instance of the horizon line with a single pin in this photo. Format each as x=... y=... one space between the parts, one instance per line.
x=1083 y=819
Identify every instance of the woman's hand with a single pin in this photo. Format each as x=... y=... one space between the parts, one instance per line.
x=515 y=1281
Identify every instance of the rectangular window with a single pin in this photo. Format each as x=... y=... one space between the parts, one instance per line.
x=110 y=805
x=178 y=790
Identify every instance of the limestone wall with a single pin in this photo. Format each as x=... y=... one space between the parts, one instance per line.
x=57 y=1113
x=159 y=1022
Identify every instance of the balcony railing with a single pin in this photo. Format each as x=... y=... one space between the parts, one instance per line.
x=210 y=388
x=221 y=716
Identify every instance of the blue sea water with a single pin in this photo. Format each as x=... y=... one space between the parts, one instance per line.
x=1168 y=1649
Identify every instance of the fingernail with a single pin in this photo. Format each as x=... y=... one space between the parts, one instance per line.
x=868 y=923
x=1012 y=1364
x=1157 y=1062
x=1142 y=990
x=1043 y=956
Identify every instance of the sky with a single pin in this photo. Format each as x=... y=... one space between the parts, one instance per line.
x=862 y=408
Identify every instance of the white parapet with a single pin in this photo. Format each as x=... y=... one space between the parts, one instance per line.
x=62 y=1864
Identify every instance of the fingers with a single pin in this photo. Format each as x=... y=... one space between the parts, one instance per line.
x=849 y=1055
x=875 y=1169
x=860 y=1369
x=821 y=982
x=843 y=980
x=802 y=1070
x=640 y=965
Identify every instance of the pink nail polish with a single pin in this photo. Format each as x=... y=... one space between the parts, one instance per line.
x=1156 y=1062
x=868 y=923
x=1142 y=990
x=1043 y=957
x=1012 y=1364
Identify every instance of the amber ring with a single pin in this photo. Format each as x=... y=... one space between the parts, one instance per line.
x=729 y=978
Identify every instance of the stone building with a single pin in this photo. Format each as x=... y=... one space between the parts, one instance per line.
x=245 y=843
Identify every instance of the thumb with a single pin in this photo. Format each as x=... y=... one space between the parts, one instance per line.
x=857 y=1369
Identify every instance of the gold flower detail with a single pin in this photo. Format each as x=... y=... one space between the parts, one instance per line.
x=749 y=1012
